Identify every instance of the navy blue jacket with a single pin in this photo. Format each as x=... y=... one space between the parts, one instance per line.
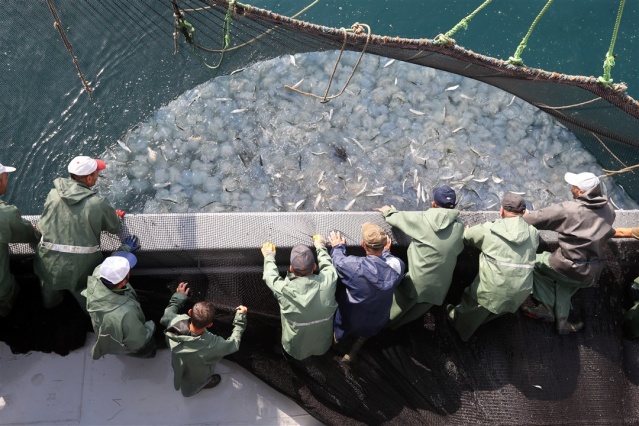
x=366 y=297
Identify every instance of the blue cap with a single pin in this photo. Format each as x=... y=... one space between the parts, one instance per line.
x=128 y=256
x=445 y=196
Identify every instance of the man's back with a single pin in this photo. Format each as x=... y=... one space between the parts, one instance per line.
x=366 y=298
x=432 y=254
x=584 y=226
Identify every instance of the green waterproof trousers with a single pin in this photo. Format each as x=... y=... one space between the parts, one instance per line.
x=469 y=314
x=405 y=307
x=553 y=289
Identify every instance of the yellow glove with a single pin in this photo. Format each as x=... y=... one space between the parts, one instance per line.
x=319 y=241
x=268 y=249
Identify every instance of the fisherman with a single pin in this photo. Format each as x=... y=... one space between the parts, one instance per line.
x=365 y=299
x=13 y=229
x=73 y=218
x=506 y=263
x=432 y=254
x=116 y=314
x=307 y=300
x=584 y=226
x=195 y=351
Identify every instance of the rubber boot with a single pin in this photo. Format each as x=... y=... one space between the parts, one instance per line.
x=352 y=354
x=215 y=380
x=565 y=327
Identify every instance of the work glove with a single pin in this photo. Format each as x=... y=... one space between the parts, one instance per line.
x=268 y=249
x=319 y=241
x=132 y=242
x=635 y=232
x=120 y=213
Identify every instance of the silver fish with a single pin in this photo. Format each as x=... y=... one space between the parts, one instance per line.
x=300 y=204
x=123 y=146
x=293 y=61
x=389 y=63
x=416 y=112
x=237 y=70
x=318 y=199
x=161 y=185
x=153 y=156
x=350 y=204
x=458 y=129
x=237 y=111
x=321 y=176
x=296 y=85
x=361 y=191
x=497 y=179
x=455 y=87
x=358 y=144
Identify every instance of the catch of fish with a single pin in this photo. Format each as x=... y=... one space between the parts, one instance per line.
x=244 y=142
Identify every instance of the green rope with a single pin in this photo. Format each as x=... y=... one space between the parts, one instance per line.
x=188 y=30
x=447 y=38
x=516 y=58
x=609 y=61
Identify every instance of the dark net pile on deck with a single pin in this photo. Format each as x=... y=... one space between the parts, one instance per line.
x=514 y=371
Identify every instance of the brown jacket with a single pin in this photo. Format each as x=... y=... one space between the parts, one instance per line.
x=584 y=226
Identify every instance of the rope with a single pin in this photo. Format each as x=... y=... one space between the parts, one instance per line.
x=516 y=58
x=357 y=29
x=187 y=29
x=256 y=37
x=616 y=172
x=446 y=39
x=609 y=151
x=58 y=26
x=609 y=61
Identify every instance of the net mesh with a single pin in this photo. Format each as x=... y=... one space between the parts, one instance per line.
x=514 y=370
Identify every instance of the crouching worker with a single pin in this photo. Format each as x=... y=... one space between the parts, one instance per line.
x=194 y=350
x=307 y=301
x=366 y=297
x=506 y=263
x=116 y=314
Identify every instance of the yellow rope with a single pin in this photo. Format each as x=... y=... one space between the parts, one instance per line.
x=356 y=28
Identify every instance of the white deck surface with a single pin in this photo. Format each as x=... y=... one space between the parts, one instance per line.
x=37 y=388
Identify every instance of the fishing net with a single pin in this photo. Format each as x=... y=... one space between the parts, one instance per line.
x=513 y=371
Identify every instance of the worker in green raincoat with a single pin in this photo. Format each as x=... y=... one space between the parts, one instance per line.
x=506 y=264
x=307 y=301
x=13 y=229
x=73 y=218
x=432 y=255
x=116 y=314
x=194 y=350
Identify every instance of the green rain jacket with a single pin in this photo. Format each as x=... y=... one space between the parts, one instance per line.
x=432 y=254
x=194 y=357
x=73 y=218
x=307 y=306
x=506 y=263
x=117 y=318
x=13 y=229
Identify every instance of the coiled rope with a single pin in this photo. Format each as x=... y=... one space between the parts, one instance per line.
x=358 y=29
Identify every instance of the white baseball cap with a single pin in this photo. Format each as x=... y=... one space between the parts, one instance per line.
x=584 y=181
x=6 y=169
x=84 y=166
x=114 y=269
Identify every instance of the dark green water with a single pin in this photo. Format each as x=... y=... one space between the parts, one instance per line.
x=45 y=119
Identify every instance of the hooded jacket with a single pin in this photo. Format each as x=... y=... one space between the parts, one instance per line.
x=432 y=254
x=307 y=305
x=366 y=298
x=506 y=263
x=73 y=216
x=117 y=318
x=584 y=226
x=13 y=229
x=194 y=357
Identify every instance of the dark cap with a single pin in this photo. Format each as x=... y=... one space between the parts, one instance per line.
x=302 y=259
x=445 y=196
x=513 y=203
